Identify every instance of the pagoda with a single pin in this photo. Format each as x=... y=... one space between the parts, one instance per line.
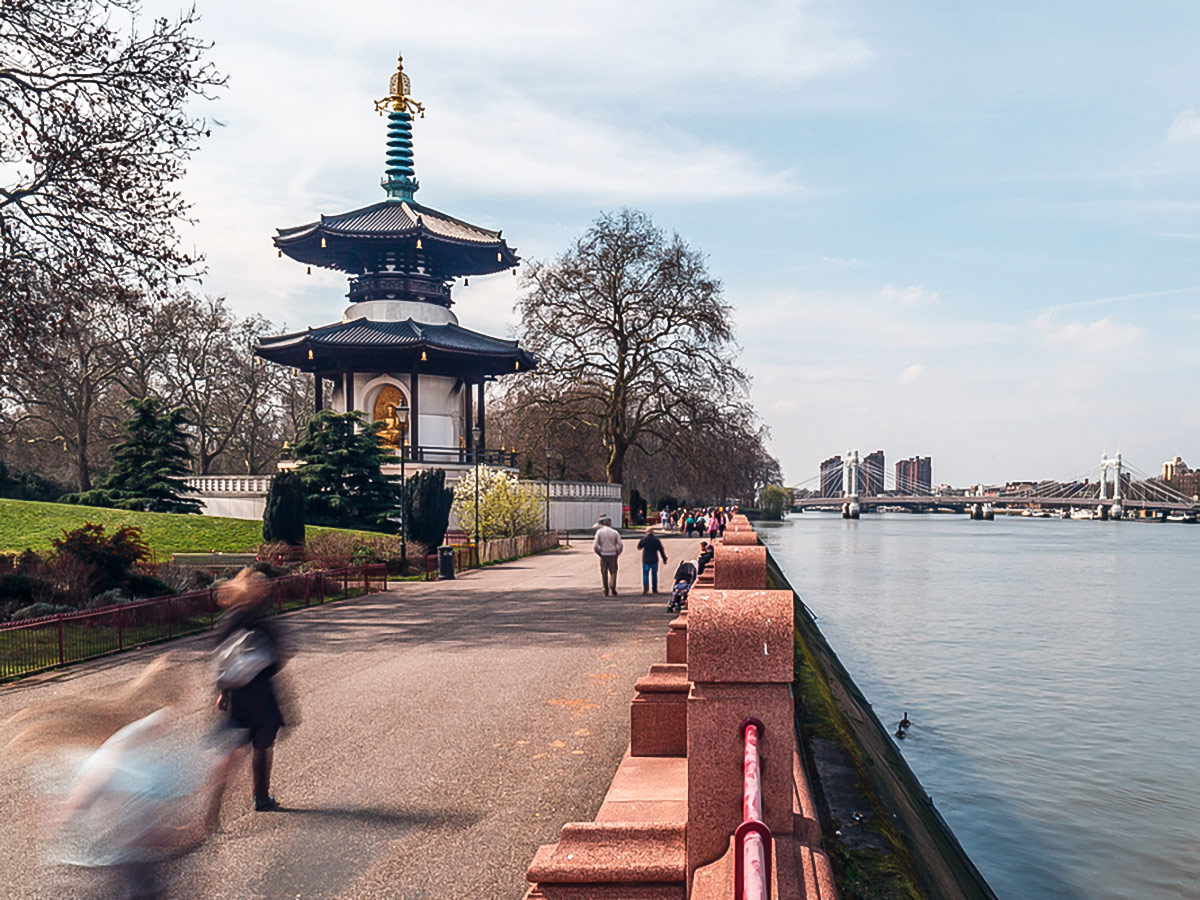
x=399 y=354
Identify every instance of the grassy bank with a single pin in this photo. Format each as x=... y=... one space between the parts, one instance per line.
x=26 y=524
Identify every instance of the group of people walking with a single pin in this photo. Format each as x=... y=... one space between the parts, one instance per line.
x=607 y=543
x=709 y=521
x=608 y=546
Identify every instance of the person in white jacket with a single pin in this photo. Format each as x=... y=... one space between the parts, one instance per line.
x=608 y=547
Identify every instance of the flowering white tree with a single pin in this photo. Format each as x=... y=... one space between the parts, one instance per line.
x=507 y=507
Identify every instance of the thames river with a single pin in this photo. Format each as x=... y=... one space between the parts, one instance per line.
x=1051 y=670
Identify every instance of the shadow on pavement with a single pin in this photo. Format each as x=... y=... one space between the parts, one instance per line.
x=474 y=618
x=402 y=818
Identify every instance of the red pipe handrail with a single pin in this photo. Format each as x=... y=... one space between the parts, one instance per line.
x=752 y=839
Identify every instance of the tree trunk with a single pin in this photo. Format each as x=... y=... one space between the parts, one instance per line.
x=83 y=476
x=615 y=468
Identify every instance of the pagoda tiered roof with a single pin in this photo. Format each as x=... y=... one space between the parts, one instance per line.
x=363 y=240
x=397 y=346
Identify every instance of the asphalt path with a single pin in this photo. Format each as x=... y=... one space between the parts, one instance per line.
x=442 y=731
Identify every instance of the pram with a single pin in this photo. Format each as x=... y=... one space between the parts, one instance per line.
x=685 y=577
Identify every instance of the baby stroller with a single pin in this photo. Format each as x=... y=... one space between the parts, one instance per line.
x=685 y=577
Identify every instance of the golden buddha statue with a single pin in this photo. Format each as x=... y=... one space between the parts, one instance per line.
x=392 y=411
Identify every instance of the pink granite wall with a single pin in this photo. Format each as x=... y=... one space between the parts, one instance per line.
x=740 y=538
x=658 y=712
x=740 y=661
x=664 y=831
x=740 y=567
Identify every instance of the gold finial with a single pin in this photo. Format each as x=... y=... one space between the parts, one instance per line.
x=399 y=99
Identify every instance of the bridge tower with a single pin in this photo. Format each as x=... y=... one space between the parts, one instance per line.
x=1117 y=509
x=851 y=508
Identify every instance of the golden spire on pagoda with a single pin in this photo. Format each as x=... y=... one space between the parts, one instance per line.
x=399 y=100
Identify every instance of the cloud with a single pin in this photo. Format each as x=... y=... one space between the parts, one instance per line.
x=911 y=374
x=845 y=262
x=1101 y=336
x=1122 y=298
x=909 y=296
x=1185 y=129
x=576 y=47
x=533 y=149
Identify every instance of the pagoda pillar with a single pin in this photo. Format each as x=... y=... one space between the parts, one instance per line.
x=318 y=391
x=414 y=386
x=349 y=382
x=482 y=426
x=469 y=422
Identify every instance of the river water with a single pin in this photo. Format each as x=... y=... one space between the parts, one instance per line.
x=1051 y=670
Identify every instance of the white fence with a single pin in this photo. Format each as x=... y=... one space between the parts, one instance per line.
x=574 y=505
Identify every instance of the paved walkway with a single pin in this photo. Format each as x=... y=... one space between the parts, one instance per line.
x=446 y=730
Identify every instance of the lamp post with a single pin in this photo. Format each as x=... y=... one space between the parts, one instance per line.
x=402 y=416
x=547 y=488
x=476 y=433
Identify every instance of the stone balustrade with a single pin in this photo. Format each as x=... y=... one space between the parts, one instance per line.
x=665 y=828
x=229 y=485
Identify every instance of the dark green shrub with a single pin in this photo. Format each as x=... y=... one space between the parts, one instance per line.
x=141 y=586
x=283 y=519
x=111 y=558
x=15 y=485
x=16 y=586
x=427 y=503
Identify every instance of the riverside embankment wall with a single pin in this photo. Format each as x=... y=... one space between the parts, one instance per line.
x=836 y=796
x=673 y=822
x=829 y=704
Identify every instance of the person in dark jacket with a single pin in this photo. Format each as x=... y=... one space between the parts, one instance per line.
x=252 y=707
x=706 y=555
x=651 y=547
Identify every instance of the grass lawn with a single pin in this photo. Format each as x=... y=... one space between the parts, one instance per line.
x=26 y=524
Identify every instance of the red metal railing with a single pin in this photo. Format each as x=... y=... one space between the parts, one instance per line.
x=752 y=840
x=32 y=645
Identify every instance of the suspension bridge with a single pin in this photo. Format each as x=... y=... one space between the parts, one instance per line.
x=1114 y=489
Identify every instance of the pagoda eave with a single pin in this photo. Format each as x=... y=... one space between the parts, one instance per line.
x=359 y=253
x=362 y=345
x=331 y=362
x=402 y=232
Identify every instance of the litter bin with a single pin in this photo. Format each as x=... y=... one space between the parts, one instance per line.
x=445 y=562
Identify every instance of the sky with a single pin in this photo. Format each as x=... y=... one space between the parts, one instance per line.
x=962 y=231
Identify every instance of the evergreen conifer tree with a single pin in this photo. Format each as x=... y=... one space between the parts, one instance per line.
x=427 y=503
x=344 y=484
x=283 y=519
x=149 y=466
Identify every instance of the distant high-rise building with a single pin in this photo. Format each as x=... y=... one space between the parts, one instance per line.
x=870 y=478
x=1173 y=467
x=831 y=477
x=915 y=476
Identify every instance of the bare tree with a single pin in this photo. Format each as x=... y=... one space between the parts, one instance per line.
x=633 y=339
x=207 y=366
x=280 y=405
x=94 y=135
x=68 y=393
